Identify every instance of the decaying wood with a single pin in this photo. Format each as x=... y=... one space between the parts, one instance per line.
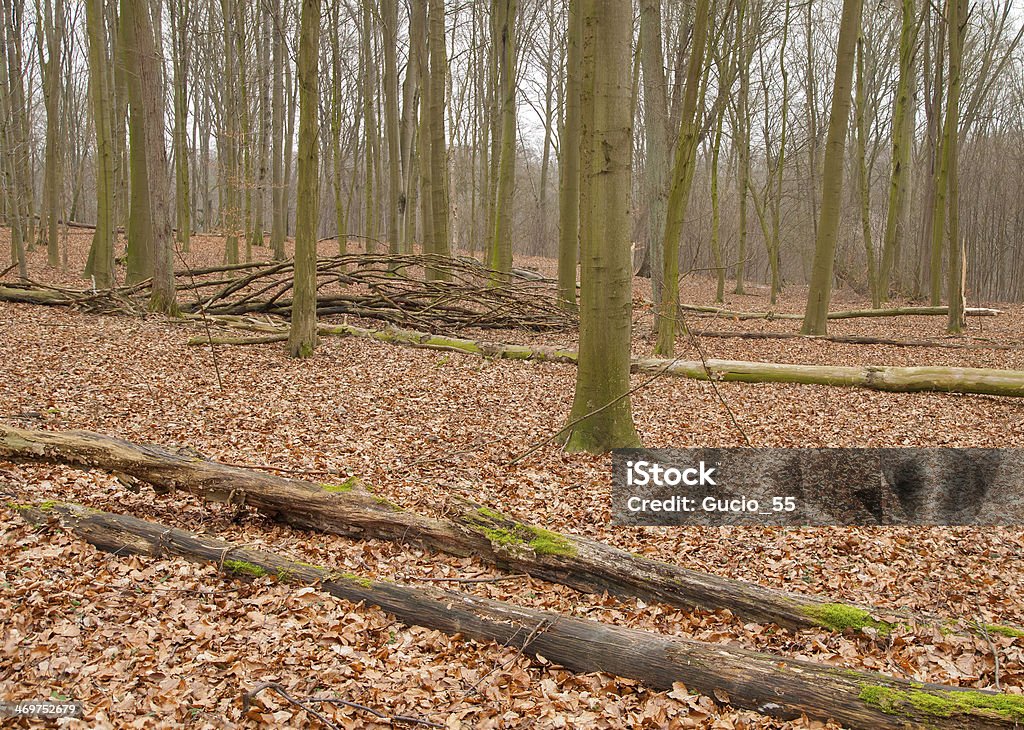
x=937 y=379
x=771 y=685
x=469 y=530
x=386 y=287
x=951 y=344
x=849 y=314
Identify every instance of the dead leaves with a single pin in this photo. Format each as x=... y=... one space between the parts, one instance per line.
x=165 y=644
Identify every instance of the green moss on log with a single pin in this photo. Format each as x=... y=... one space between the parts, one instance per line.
x=358 y=579
x=242 y=567
x=840 y=617
x=1004 y=631
x=504 y=531
x=346 y=486
x=942 y=704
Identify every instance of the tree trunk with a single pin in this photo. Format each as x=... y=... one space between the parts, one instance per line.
x=863 y=181
x=100 y=265
x=820 y=292
x=438 y=143
x=302 y=338
x=601 y=418
x=504 y=42
x=902 y=142
x=278 y=198
x=569 y=164
x=956 y=23
x=656 y=143
x=180 y=15
x=151 y=85
x=470 y=529
x=140 y=220
x=782 y=687
x=389 y=22
x=682 y=180
x=52 y=28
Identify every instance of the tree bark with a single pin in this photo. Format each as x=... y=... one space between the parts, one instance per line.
x=505 y=47
x=778 y=686
x=657 y=157
x=569 y=164
x=470 y=529
x=820 y=292
x=100 y=265
x=302 y=337
x=682 y=181
x=602 y=418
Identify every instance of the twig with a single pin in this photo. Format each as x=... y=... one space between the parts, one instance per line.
x=305 y=703
x=537 y=631
x=247 y=698
x=995 y=652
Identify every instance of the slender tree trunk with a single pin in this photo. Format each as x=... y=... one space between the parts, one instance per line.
x=863 y=183
x=601 y=417
x=716 y=214
x=656 y=144
x=302 y=337
x=438 y=143
x=743 y=142
x=569 y=165
x=140 y=221
x=389 y=21
x=820 y=292
x=504 y=41
x=278 y=211
x=682 y=180
x=52 y=30
x=180 y=14
x=370 y=132
x=956 y=21
x=151 y=83
x=101 y=254
x=902 y=130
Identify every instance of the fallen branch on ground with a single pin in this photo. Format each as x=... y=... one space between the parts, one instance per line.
x=848 y=314
x=981 y=381
x=768 y=684
x=861 y=340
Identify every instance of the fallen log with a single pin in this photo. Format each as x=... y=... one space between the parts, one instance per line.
x=936 y=379
x=470 y=530
x=848 y=314
x=768 y=684
x=858 y=340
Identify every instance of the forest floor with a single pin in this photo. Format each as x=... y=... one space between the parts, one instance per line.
x=163 y=643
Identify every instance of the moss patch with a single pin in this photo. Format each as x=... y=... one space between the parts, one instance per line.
x=359 y=579
x=244 y=568
x=840 y=616
x=942 y=704
x=1004 y=631
x=514 y=534
x=346 y=486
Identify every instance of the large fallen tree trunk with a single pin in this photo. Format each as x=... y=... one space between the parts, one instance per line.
x=860 y=340
x=768 y=684
x=848 y=314
x=938 y=379
x=470 y=530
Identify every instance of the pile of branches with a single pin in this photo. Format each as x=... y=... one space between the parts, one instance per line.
x=120 y=300
x=461 y=293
